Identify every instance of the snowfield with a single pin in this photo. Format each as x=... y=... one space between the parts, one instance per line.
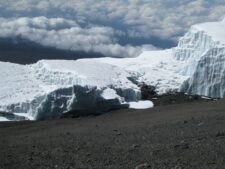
x=50 y=88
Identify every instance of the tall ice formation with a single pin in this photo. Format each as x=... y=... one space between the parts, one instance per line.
x=203 y=51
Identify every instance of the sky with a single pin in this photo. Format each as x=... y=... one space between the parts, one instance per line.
x=118 y=28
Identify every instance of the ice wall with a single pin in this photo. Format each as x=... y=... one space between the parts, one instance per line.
x=204 y=57
x=83 y=99
x=48 y=89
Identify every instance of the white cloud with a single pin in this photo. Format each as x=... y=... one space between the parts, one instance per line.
x=164 y=19
x=66 y=34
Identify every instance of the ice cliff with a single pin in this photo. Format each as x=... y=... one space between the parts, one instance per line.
x=50 y=88
x=203 y=51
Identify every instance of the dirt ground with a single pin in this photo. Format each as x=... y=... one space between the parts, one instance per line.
x=184 y=136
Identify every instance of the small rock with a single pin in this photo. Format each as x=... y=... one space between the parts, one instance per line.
x=135 y=146
x=69 y=167
x=220 y=134
x=143 y=166
x=30 y=159
x=78 y=148
x=156 y=151
x=182 y=146
x=88 y=154
x=151 y=153
x=177 y=167
x=200 y=124
x=9 y=156
x=200 y=138
x=118 y=134
x=185 y=146
x=182 y=141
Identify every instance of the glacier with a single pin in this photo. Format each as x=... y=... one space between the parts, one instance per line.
x=50 y=88
x=203 y=51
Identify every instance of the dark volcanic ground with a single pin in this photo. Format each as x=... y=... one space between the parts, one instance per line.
x=184 y=136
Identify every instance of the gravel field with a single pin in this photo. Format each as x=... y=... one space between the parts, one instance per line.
x=179 y=136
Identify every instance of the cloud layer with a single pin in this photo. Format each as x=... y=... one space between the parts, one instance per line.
x=100 y=25
x=68 y=35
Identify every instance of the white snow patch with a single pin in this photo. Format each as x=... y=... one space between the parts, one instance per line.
x=206 y=98
x=3 y=119
x=141 y=105
x=26 y=115
x=109 y=94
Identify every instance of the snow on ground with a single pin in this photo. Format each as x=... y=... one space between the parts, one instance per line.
x=141 y=105
x=156 y=68
x=82 y=72
x=109 y=94
x=26 y=115
x=3 y=119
